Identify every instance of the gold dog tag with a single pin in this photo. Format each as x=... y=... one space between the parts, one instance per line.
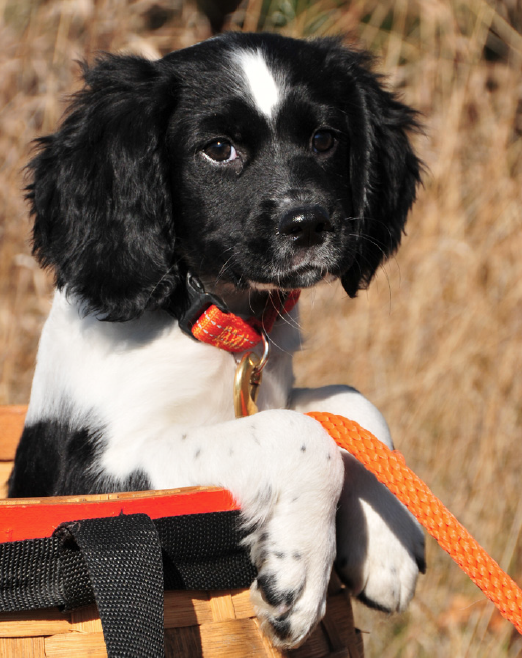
x=246 y=385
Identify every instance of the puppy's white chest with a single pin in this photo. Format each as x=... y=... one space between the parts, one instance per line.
x=138 y=373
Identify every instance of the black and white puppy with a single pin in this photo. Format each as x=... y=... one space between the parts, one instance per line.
x=254 y=163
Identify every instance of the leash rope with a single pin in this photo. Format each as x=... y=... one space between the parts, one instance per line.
x=389 y=468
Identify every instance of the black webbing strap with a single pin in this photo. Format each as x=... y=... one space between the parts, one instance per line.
x=123 y=558
x=30 y=575
x=123 y=563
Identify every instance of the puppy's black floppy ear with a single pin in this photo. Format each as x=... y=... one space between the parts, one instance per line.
x=384 y=170
x=100 y=192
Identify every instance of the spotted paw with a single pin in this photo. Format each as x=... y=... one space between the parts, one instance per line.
x=289 y=594
x=294 y=555
x=290 y=510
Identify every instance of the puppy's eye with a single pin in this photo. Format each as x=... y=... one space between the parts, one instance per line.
x=220 y=151
x=323 y=141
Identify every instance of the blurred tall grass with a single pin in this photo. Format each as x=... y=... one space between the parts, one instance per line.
x=436 y=342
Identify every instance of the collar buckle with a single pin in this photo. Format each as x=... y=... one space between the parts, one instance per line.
x=199 y=302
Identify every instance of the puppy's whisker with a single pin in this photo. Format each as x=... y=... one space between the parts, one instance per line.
x=291 y=322
x=371 y=241
x=225 y=267
x=287 y=319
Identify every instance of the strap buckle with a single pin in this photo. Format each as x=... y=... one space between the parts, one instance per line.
x=199 y=301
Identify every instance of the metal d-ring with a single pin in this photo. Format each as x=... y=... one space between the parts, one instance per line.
x=266 y=353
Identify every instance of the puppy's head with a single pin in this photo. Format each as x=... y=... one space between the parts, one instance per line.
x=255 y=161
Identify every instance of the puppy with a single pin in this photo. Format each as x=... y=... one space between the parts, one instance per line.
x=226 y=176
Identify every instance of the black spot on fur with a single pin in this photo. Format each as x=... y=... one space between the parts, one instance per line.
x=197 y=453
x=281 y=627
x=270 y=593
x=303 y=448
x=137 y=481
x=372 y=604
x=421 y=564
x=57 y=458
x=39 y=447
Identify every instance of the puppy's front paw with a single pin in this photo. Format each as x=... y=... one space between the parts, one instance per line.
x=292 y=541
x=380 y=546
x=294 y=566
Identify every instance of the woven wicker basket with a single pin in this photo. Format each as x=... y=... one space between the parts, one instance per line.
x=207 y=624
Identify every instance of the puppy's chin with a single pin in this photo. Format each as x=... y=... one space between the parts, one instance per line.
x=295 y=281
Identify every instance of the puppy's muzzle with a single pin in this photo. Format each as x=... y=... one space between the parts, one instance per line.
x=305 y=226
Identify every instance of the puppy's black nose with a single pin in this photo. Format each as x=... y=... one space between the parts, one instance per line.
x=305 y=226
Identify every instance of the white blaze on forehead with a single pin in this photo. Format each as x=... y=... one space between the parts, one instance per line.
x=262 y=85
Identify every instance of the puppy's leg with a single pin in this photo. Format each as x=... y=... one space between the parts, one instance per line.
x=380 y=546
x=287 y=474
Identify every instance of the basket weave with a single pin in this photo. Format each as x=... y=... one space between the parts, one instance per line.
x=197 y=624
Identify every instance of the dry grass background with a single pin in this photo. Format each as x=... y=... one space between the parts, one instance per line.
x=436 y=342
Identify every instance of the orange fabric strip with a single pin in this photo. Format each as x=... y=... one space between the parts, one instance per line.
x=231 y=333
x=225 y=330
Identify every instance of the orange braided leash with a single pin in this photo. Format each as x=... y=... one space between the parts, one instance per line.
x=389 y=468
